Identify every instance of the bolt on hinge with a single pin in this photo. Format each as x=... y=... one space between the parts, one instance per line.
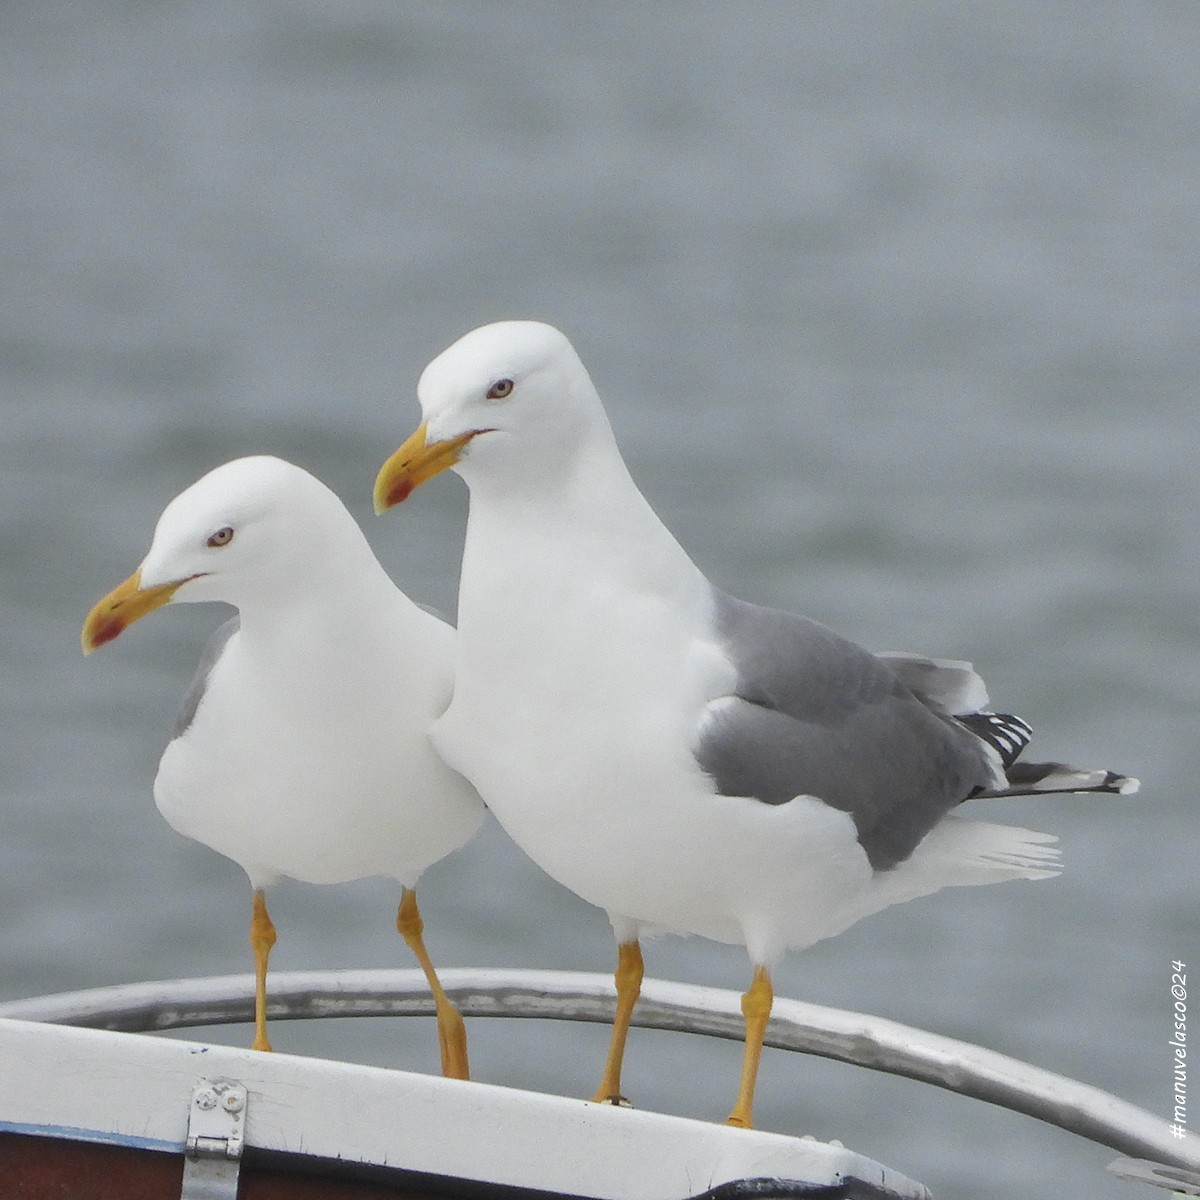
x=215 y=1136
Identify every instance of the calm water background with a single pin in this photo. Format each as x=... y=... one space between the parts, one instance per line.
x=895 y=310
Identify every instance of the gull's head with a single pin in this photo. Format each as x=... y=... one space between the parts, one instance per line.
x=252 y=527
x=512 y=397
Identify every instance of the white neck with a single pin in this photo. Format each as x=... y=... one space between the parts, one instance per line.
x=592 y=516
x=343 y=604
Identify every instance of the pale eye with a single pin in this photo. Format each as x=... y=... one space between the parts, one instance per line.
x=222 y=537
x=500 y=389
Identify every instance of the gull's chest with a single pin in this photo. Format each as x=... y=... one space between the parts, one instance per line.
x=290 y=722
x=591 y=652
x=585 y=684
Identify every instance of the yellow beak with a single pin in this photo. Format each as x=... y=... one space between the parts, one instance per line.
x=413 y=464
x=121 y=607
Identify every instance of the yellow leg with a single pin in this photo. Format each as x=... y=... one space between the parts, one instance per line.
x=262 y=938
x=756 y=1008
x=452 y=1033
x=629 y=984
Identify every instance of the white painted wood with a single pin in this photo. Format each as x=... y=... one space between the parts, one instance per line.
x=808 y=1028
x=136 y=1090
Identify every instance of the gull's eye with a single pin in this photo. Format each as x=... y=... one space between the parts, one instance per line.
x=222 y=537
x=500 y=389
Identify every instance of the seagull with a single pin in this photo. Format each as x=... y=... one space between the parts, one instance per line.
x=682 y=759
x=302 y=746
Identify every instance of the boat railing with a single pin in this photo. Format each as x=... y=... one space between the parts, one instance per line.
x=857 y=1038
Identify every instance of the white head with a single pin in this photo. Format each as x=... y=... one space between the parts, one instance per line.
x=250 y=529
x=512 y=397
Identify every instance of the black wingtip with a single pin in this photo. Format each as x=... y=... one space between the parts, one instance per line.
x=1008 y=735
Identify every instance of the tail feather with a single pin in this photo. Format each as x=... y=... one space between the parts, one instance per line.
x=959 y=852
x=954 y=690
x=1041 y=779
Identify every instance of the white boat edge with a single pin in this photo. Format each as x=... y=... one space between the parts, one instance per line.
x=857 y=1038
x=136 y=1090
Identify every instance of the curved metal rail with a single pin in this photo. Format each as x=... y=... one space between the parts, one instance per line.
x=857 y=1038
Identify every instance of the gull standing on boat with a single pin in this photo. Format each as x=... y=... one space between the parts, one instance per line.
x=302 y=749
x=684 y=760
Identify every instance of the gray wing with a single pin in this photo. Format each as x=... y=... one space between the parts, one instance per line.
x=212 y=651
x=815 y=714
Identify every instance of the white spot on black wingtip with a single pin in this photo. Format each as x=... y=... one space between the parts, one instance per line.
x=1006 y=734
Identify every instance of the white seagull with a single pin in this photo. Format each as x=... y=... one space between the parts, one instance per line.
x=684 y=760
x=302 y=749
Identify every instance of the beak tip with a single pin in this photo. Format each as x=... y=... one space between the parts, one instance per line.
x=392 y=492
x=100 y=634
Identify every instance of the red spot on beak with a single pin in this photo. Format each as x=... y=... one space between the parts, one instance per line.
x=106 y=631
x=400 y=490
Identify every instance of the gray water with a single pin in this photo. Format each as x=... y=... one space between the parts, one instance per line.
x=894 y=307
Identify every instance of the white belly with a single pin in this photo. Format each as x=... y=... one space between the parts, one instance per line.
x=621 y=815
x=287 y=794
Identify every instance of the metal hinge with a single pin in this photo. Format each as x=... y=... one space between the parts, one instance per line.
x=215 y=1135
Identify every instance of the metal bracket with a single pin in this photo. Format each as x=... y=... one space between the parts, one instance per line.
x=1180 y=1182
x=215 y=1136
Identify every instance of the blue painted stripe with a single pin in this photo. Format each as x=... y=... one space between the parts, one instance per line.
x=105 y=1137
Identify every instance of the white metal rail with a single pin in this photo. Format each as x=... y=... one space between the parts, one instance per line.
x=857 y=1038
